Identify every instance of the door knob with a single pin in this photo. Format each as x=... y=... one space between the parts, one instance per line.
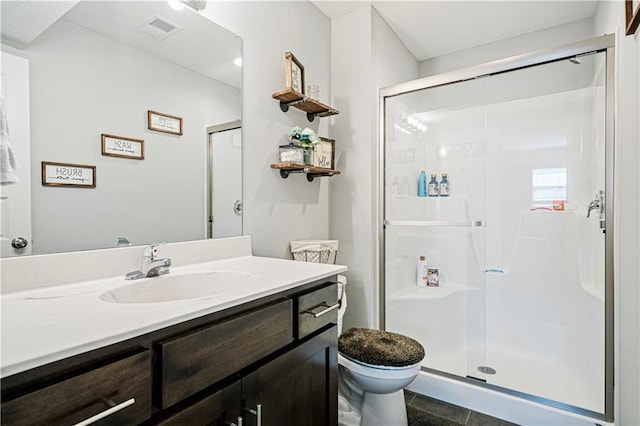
x=19 y=243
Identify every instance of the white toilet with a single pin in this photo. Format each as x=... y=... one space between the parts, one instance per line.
x=373 y=368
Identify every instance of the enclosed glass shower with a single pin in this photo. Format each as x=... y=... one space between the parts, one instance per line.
x=519 y=286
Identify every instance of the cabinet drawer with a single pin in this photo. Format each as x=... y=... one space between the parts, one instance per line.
x=88 y=394
x=192 y=362
x=203 y=412
x=317 y=309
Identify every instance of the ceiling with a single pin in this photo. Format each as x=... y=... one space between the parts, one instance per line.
x=431 y=28
x=124 y=21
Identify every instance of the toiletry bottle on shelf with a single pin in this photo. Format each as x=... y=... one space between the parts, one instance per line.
x=444 y=186
x=433 y=279
x=422 y=272
x=433 y=186
x=422 y=184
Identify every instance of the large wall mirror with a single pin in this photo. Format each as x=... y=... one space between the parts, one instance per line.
x=75 y=71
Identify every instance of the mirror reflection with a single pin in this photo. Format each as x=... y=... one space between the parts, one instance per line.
x=90 y=68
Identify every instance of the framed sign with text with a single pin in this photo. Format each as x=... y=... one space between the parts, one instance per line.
x=294 y=73
x=119 y=146
x=324 y=153
x=161 y=122
x=65 y=174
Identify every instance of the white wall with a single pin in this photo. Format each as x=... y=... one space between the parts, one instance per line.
x=366 y=55
x=392 y=61
x=526 y=43
x=278 y=210
x=610 y=18
x=110 y=93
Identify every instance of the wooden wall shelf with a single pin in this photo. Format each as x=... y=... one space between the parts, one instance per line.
x=313 y=108
x=311 y=171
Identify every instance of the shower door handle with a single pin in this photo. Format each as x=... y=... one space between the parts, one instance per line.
x=599 y=204
x=237 y=208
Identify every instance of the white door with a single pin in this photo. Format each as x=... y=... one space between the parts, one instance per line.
x=15 y=196
x=226 y=183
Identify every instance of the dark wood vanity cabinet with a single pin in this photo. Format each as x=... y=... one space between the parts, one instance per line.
x=274 y=359
x=296 y=388
x=191 y=362
x=120 y=387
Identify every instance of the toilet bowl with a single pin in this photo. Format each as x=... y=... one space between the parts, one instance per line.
x=373 y=369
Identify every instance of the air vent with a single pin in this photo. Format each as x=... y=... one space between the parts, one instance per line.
x=159 y=28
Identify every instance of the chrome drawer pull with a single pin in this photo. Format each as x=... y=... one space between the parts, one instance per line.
x=228 y=423
x=107 y=412
x=324 y=311
x=257 y=412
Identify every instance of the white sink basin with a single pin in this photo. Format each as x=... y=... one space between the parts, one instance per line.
x=168 y=288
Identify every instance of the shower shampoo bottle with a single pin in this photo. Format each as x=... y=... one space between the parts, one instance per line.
x=433 y=186
x=423 y=272
x=444 y=186
x=422 y=185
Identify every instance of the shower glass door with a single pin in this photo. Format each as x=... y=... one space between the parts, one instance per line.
x=518 y=246
x=439 y=130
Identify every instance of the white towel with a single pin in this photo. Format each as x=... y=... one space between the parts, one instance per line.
x=8 y=163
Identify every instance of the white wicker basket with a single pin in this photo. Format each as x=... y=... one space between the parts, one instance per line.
x=318 y=251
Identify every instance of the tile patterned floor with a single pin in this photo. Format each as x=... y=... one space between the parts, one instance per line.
x=425 y=411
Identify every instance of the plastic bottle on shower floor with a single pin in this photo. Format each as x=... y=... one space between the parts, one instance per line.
x=422 y=272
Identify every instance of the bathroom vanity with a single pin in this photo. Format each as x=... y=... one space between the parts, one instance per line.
x=265 y=354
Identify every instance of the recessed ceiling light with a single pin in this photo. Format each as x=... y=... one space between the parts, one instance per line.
x=176 y=4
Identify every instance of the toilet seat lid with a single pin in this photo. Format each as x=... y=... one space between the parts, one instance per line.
x=383 y=348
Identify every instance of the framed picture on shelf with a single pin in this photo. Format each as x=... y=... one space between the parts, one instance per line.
x=324 y=154
x=119 y=146
x=294 y=72
x=66 y=174
x=161 y=122
x=632 y=12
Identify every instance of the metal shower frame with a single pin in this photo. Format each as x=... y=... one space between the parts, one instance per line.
x=605 y=44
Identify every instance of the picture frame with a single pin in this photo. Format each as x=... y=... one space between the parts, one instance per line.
x=294 y=73
x=632 y=12
x=68 y=174
x=120 y=146
x=324 y=154
x=165 y=123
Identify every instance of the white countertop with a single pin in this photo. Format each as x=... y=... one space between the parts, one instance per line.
x=45 y=325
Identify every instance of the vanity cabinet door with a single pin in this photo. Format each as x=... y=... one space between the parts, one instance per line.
x=122 y=388
x=297 y=388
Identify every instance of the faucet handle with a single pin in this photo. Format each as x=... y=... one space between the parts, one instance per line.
x=123 y=242
x=151 y=251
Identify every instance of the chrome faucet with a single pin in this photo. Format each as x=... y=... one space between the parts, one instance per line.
x=152 y=266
